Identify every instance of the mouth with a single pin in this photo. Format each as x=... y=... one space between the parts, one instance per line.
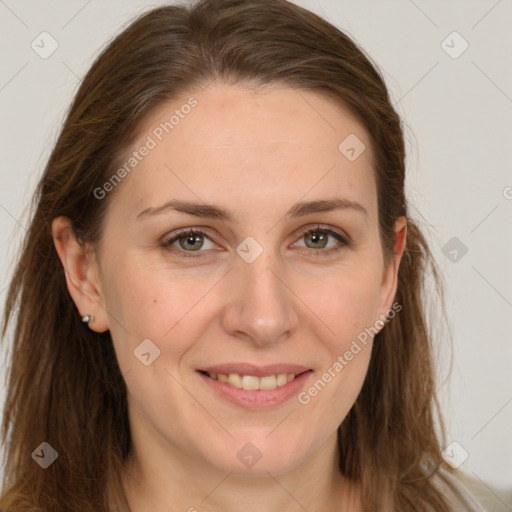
x=253 y=382
x=255 y=387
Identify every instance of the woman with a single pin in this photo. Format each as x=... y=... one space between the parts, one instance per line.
x=219 y=294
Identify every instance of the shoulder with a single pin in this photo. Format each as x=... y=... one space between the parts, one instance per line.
x=456 y=492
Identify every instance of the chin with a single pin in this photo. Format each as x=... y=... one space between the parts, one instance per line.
x=260 y=454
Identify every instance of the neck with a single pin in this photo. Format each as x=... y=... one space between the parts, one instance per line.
x=178 y=482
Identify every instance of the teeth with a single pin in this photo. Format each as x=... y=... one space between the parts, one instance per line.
x=235 y=380
x=251 y=382
x=282 y=379
x=268 y=382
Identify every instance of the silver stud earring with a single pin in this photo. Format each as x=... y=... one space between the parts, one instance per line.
x=88 y=319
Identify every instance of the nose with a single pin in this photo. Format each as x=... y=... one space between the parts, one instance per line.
x=260 y=305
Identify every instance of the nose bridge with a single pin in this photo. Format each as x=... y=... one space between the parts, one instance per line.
x=261 y=306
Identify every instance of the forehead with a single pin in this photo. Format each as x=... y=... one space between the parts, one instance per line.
x=238 y=145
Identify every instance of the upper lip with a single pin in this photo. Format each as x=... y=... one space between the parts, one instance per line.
x=257 y=371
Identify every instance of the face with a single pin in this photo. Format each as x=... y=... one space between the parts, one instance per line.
x=240 y=264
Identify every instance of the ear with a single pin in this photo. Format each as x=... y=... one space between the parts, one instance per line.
x=390 y=276
x=81 y=270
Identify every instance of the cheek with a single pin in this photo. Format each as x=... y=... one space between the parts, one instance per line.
x=171 y=310
x=346 y=301
x=347 y=311
x=151 y=302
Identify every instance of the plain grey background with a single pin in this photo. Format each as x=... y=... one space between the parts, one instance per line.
x=454 y=92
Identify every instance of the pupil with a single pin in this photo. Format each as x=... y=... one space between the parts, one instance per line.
x=189 y=242
x=318 y=238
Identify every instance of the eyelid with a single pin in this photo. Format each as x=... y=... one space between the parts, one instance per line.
x=199 y=230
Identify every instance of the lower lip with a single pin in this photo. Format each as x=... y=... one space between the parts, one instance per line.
x=258 y=398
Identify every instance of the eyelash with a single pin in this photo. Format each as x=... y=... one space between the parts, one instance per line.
x=167 y=243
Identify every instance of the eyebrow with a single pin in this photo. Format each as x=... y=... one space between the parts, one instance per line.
x=211 y=211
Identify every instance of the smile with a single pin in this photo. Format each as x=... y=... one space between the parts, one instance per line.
x=255 y=387
x=252 y=382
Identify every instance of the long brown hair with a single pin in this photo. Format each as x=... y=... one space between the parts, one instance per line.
x=64 y=384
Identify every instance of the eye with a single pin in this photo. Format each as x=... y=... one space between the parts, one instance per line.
x=188 y=241
x=322 y=240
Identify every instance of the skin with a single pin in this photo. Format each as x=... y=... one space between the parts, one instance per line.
x=254 y=152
